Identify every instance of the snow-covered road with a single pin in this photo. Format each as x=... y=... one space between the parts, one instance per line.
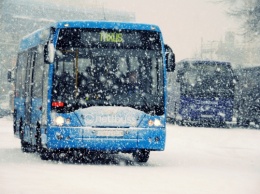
x=195 y=161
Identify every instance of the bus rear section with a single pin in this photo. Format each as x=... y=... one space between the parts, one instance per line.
x=103 y=91
x=205 y=92
x=247 y=98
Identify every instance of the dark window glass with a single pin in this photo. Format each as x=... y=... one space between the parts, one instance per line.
x=20 y=74
x=109 y=68
x=38 y=74
x=207 y=79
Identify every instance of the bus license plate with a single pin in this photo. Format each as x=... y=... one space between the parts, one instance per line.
x=110 y=133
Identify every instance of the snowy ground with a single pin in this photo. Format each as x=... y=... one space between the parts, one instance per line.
x=195 y=161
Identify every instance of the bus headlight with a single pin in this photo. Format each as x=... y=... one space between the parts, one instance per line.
x=59 y=121
x=155 y=123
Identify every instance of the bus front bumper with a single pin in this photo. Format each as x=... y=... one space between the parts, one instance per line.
x=106 y=139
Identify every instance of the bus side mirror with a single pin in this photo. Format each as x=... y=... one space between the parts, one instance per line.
x=49 y=52
x=9 y=76
x=170 y=59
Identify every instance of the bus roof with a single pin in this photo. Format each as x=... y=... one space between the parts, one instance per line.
x=191 y=60
x=251 y=68
x=106 y=25
x=41 y=36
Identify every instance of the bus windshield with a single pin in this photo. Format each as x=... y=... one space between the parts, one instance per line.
x=108 y=68
x=207 y=80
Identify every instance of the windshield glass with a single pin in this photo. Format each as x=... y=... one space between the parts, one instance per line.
x=117 y=72
x=197 y=80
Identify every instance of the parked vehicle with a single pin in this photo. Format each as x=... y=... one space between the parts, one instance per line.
x=247 y=98
x=201 y=92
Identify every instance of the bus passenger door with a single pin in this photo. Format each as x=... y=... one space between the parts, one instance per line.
x=19 y=92
x=28 y=102
x=37 y=90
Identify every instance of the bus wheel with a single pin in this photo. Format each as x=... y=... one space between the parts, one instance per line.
x=38 y=139
x=257 y=122
x=46 y=154
x=21 y=129
x=221 y=124
x=245 y=123
x=141 y=155
x=14 y=122
x=180 y=122
x=25 y=146
x=239 y=121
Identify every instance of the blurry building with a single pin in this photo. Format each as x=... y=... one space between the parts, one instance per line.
x=240 y=53
x=21 y=17
x=209 y=49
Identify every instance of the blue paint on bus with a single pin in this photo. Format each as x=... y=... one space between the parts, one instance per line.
x=201 y=92
x=82 y=99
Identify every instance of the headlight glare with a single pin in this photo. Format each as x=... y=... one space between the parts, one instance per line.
x=59 y=121
x=157 y=122
x=150 y=122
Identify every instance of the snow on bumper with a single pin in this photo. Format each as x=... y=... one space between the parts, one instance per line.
x=106 y=139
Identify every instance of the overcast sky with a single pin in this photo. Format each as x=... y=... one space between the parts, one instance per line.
x=184 y=23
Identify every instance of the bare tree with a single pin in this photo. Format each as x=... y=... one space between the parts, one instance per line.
x=248 y=12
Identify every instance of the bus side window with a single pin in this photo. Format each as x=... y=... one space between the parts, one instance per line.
x=20 y=75
x=38 y=74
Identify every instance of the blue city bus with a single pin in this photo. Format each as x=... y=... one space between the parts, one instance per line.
x=87 y=87
x=201 y=92
x=247 y=98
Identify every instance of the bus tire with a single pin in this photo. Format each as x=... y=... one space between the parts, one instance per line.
x=44 y=154
x=21 y=128
x=141 y=155
x=38 y=138
x=220 y=124
x=256 y=121
x=180 y=123
x=238 y=121
x=24 y=144
x=26 y=147
x=48 y=154
x=14 y=121
x=245 y=123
